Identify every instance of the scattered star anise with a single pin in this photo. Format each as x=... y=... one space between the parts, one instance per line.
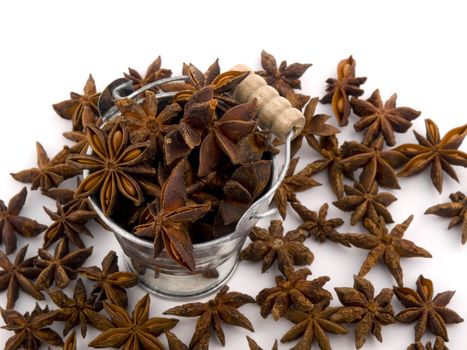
x=379 y=119
x=113 y=166
x=60 y=267
x=440 y=153
x=174 y=342
x=254 y=346
x=386 y=246
x=270 y=245
x=70 y=342
x=18 y=275
x=153 y=73
x=311 y=325
x=50 y=172
x=11 y=222
x=438 y=345
x=316 y=224
x=456 y=209
x=362 y=307
x=292 y=290
x=80 y=107
x=78 y=310
x=135 y=331
x=365 y=203
x=338 y=90
x=284 y=78
x=110 y=282
x=429 y=312
x=223 y=308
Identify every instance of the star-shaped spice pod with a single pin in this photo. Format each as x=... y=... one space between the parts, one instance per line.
x=316 y=224
x=438 y=345
x=365 y=203
x=429 y=312
x=31 y=329
x=440 y=153
x=135 y=331
x=254 y=346
x=60 y=267
x=378 y=119
x=284 y=78
x=386 y=246
x=80 y=107
x=311 y=325
x=338 y=90
x=18 y=275
x=292 y=290
x=11 y=222
x=223 y=308
x=362 y=307
x=78 y=310
x=153 y=72
x=49 y=172
x=456 y=209
x=110 y=282
x=271 y=245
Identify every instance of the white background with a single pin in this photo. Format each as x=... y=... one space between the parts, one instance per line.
x=416 y=49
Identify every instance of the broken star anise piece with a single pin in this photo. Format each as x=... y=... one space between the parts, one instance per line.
x=110 y=283
x=429 y=312
x=379 y=119
x=254 y=346
x=456 y=209
x=438 y=345
x=153 y=73
x=440 y=153
x=365 y=203
x=362 y=307
x=135 y=331
x=49 y=172
x=292 y=290
x=270 y=245
x=60 y=267
x=31 y=329
x=223 y=308
x=338 y=90
x=18 y=275
x=386 y=246
x=11 y=222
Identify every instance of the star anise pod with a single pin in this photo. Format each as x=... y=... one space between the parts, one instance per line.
x=293 y=183
x=284 y=78
x=31 y=328
x=113 y=166
x=440 y=153
x=377 y=165
x=438 y=345
x=153 y=73
x=11 y=222
x=174 y=342
x=338 y=90
x=49 y=172
x=292 y=290
x=379 y=119
x=429 y=312
x=316 y=224
x=80 y=107
x=365 y=203
x=270 y=245
x=79 y=137
x=135 y=331
x=223 y=308
x=18 y=275
x=311 y=325
x=362 y=307
x=168 y=218
x=254 y=346
x=386 y=246
x=60 y=267
x=110 y=283
x=70 y=342
x=456 y=209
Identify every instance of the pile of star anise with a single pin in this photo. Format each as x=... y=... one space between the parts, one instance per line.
x=185 y=170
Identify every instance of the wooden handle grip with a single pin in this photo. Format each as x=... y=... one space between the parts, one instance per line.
x=275 y=112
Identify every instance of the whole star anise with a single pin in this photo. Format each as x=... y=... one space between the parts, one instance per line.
x=440 y=153
x=153 y=72
x=338 y=90
x=429 y=312
x=11 y=222
x=362 y=307
x=386 y=246
x=254 y=346
x=438 y=345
